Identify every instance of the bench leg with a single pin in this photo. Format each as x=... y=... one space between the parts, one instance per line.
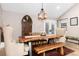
x=62 y=51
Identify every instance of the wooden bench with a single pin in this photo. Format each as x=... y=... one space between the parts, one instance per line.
x=43 y=48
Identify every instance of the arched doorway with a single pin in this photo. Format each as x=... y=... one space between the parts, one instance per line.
x=26 y=25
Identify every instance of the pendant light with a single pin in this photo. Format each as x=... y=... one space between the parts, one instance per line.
x=42 y=15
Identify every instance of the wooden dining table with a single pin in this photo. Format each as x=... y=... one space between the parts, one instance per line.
x=31 y=38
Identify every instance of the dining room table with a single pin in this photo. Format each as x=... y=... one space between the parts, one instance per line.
x=32 y=38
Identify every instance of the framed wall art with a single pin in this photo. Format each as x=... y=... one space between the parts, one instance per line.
x=74 y=21
x=63 y=25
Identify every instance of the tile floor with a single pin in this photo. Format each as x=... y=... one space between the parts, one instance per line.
x=74 y=47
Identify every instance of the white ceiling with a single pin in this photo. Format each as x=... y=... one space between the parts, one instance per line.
x=54 y=10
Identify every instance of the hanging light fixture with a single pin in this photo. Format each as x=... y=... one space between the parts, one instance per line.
x=42 y=15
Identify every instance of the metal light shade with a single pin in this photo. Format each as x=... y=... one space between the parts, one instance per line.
x=42 y=15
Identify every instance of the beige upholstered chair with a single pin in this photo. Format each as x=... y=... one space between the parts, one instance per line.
x=61 y=31
x=11 y=47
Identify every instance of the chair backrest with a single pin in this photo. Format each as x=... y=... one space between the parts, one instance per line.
x=60 y=31
x=11 y=47
x=8 y=33
x=9 y=44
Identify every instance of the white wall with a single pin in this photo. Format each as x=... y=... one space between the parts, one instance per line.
x=14 y=19
x=0 y=16
x=74 y=12
x=72 y=30
x=0 y=21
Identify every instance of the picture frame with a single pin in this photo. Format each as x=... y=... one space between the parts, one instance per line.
x=74 y=21
x=63 y=25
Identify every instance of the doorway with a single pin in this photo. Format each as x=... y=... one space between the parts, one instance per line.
x=50 y=26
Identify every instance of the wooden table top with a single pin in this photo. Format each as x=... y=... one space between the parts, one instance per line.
x=38 y=37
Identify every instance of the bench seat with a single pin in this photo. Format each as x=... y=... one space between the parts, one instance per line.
x=43 y=48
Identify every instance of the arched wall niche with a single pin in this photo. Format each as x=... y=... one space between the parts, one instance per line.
x=26 y=25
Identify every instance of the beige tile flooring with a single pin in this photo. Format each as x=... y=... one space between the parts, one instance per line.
x=74 y=47
x=2 y=52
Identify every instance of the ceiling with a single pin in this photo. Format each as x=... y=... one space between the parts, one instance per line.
x=54 y=10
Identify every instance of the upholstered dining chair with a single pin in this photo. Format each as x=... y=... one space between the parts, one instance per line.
x=61 y=31
x=11 y=47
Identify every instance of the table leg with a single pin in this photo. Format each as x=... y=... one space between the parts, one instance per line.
x=62 y=51
x=44 y=54
x=30 y=48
